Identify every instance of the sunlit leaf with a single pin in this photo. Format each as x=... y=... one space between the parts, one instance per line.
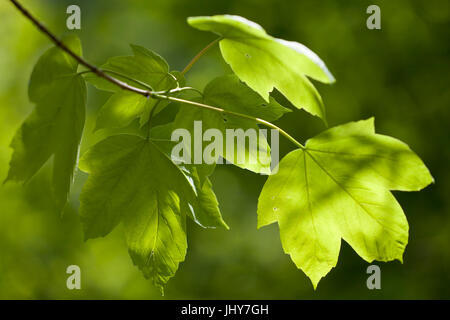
x=228 y=93
x=264 y=62
x=206 y=210
x=338 y=188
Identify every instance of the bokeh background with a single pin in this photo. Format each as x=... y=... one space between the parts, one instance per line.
x=399 y=74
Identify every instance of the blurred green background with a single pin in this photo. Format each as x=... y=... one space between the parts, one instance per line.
x=399 y=74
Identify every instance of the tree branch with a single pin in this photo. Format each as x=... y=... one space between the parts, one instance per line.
x=147 y=93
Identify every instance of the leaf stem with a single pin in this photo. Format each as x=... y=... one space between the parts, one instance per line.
x=199 y=55
x=161 y=95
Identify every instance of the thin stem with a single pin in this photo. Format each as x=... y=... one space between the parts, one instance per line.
x=80 y=60
x=241 y=115
x=199 y=55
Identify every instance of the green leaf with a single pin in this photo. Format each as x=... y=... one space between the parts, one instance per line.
x=186 y=118
x=145 y=66
x=264 y=62
x=338 y=188
x=228 y=93
x=161 y=104
x=121 y=109
x=206 y=212
x=133 y=181
x=205 y=209
x=250 y=149
x=148 y=69
x=56 y=124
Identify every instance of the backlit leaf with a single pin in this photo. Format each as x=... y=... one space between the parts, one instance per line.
x=264 y=62
x=55 y=126
x=338 y=187
x=228 y=93
x=205 y=208
x=132 y=181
